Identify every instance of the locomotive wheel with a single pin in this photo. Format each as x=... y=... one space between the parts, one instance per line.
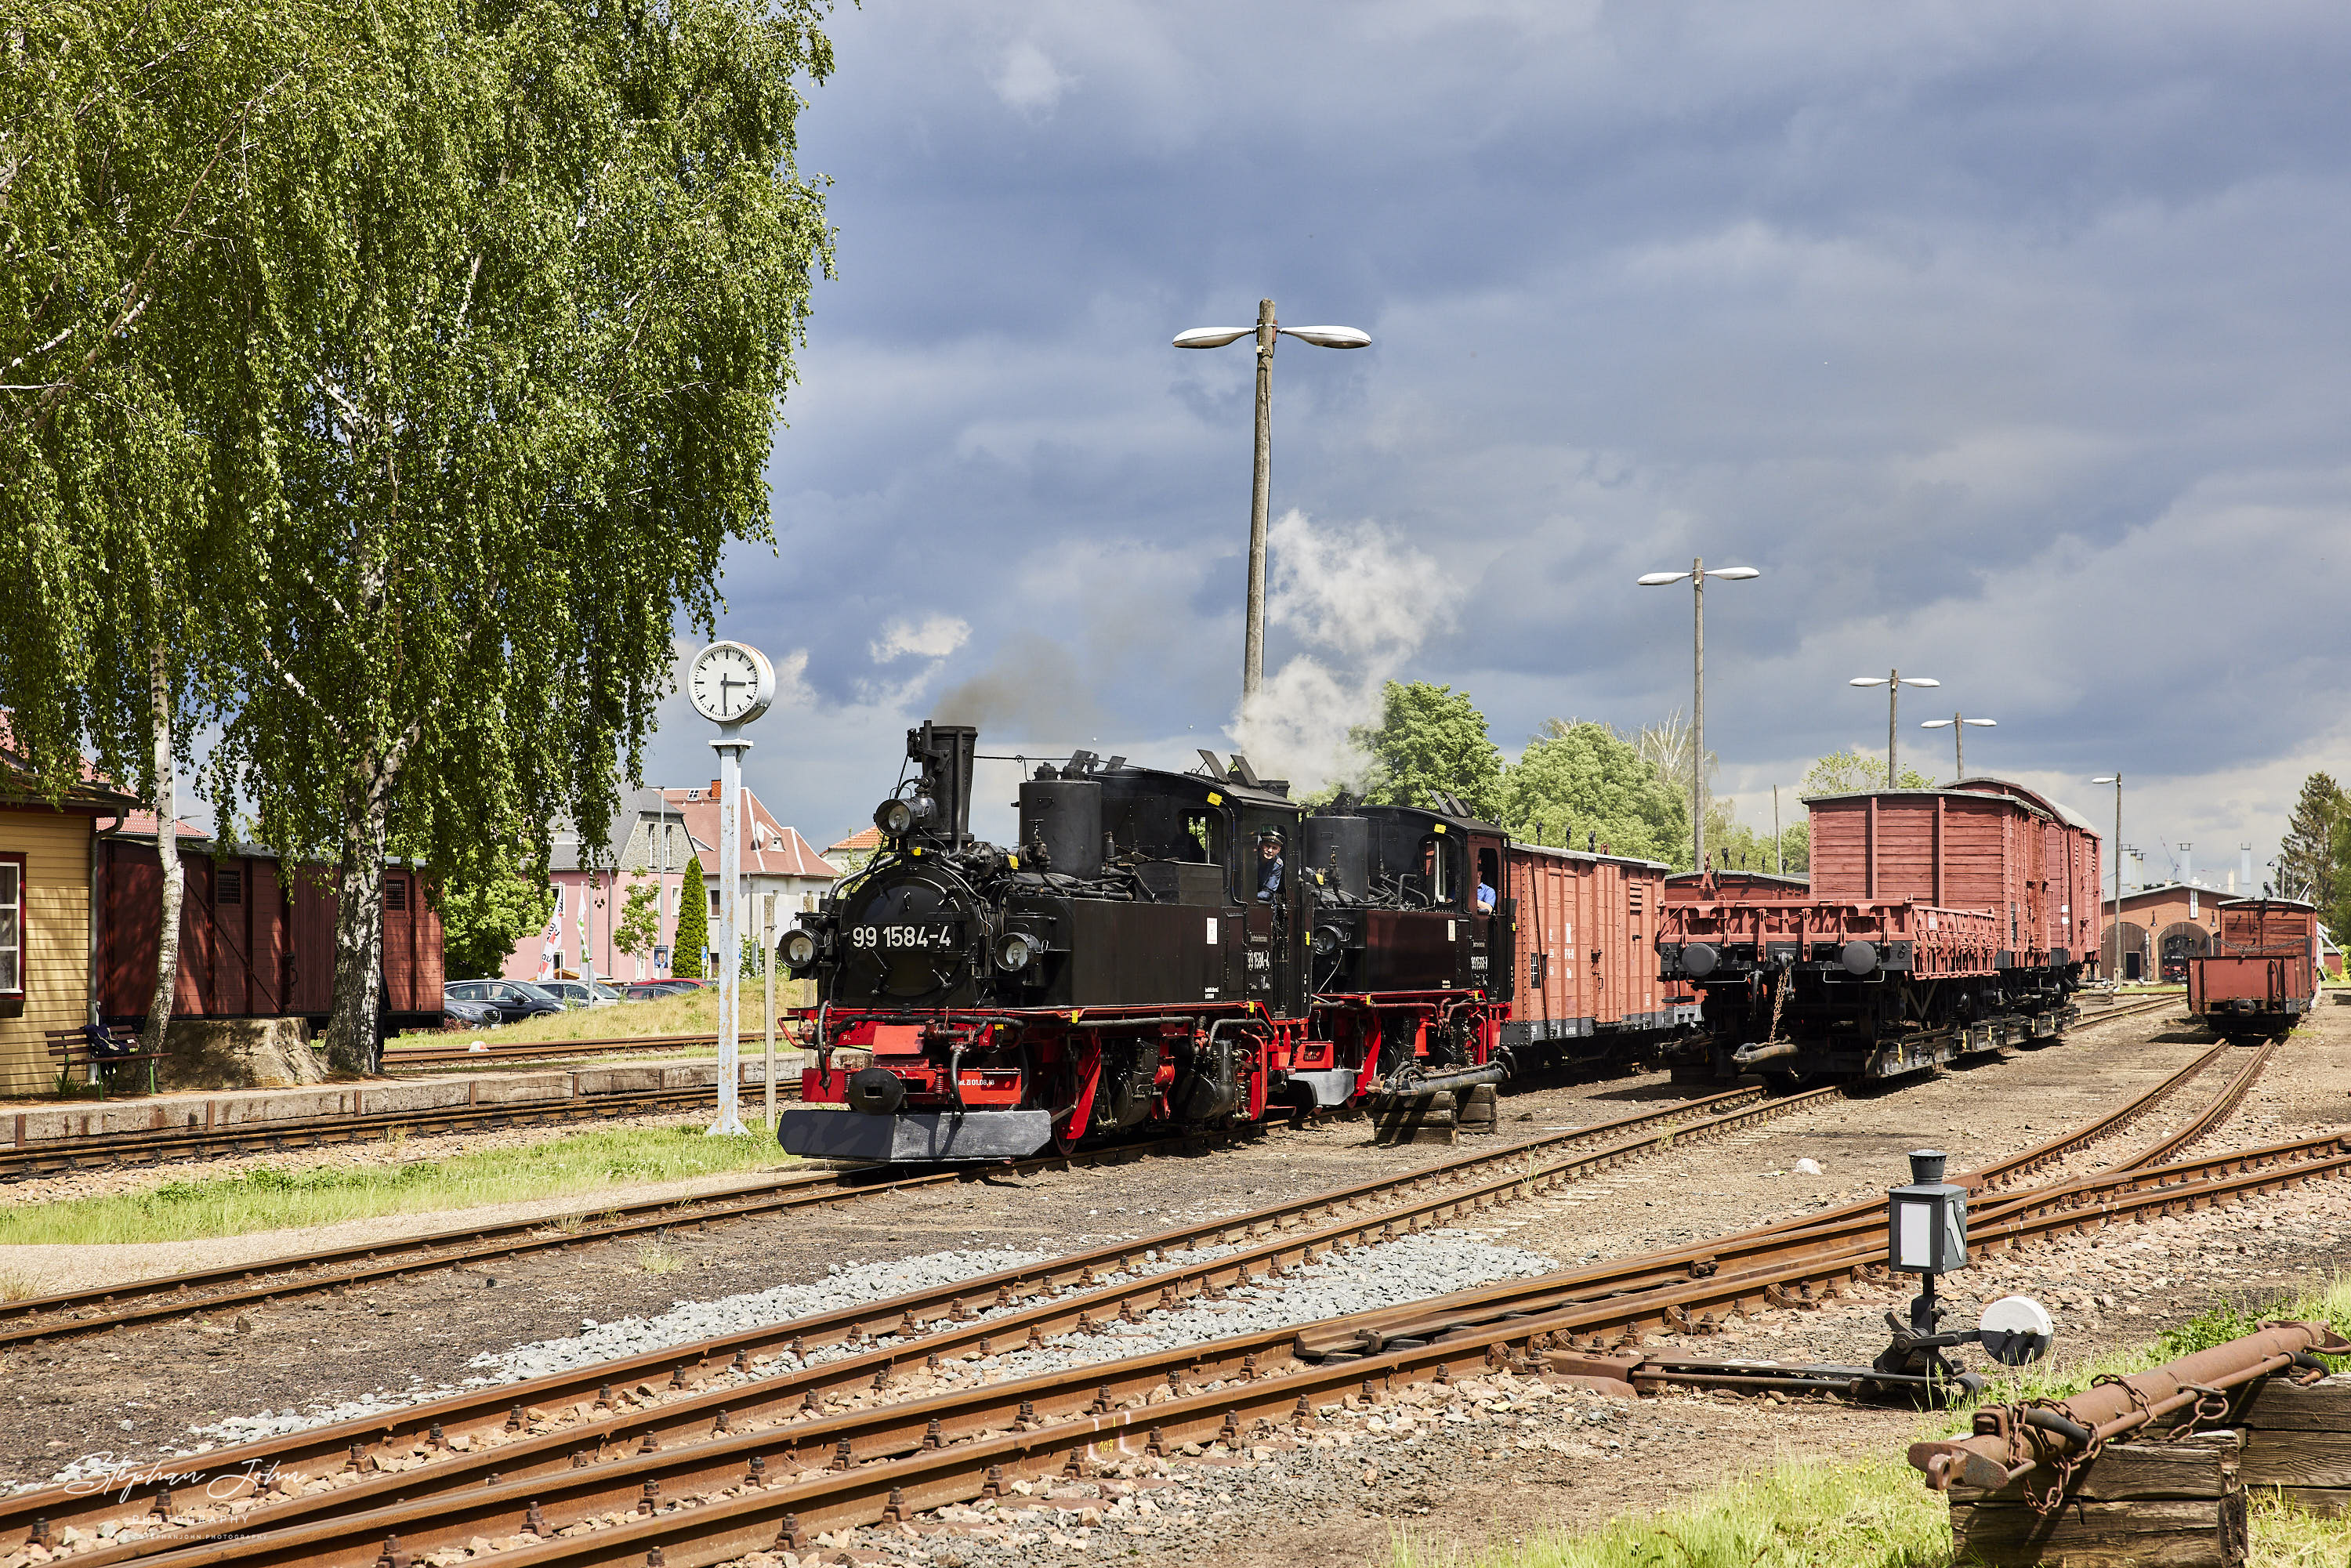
x=1065 y=1144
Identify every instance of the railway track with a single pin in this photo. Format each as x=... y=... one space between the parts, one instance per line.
x=533 y=1436
x=74 y=1314
x=395 y=1059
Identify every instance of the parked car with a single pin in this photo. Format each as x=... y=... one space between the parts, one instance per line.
x=580 y=993
x=458 y=1014
x=652 y=990
x=510 y=999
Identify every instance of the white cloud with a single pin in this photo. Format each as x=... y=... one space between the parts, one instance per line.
x=933 y=637
x=1028 y=81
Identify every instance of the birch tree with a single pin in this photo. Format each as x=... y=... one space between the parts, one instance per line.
x=122 y=126
x=519 y=290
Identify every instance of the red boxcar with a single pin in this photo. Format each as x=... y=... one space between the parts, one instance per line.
x=1585 y=982
x=257 y=938
x=1936 y=920
x=2261 y=974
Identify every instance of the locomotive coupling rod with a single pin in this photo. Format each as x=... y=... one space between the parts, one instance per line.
x=2006 y=1443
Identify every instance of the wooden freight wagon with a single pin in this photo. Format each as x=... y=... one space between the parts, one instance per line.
x=256 y=936
x=2261 y=974
x=1988 y=845
x=1937 y=922
x=1586 y=984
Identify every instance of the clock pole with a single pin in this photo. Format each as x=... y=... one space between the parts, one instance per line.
x=714 y=700
x=730 y=746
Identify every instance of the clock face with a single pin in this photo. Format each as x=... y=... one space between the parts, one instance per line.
x=731 y=682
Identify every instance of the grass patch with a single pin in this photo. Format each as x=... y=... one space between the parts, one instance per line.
x=275 y=1198
x=655 y=1258
x=1803 y=1515
x=1811 y=1514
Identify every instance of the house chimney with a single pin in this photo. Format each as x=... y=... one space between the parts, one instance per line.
x=2244 y=870
x=713 y=789
x=2187 y=864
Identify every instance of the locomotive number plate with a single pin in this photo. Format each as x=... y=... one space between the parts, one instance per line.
x=1477 y=961
x=904 y=938
x=1260 y=959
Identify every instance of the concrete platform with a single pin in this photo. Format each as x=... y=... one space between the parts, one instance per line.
x=46 y=1122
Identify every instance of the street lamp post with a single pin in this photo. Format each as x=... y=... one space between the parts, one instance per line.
x=1262 y=487
x=1958 y=726
x=1893 y=681
x=1698 y=574
x=2117 y=780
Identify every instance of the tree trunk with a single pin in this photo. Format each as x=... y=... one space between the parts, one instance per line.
x=352 y=1043
x=167 y=850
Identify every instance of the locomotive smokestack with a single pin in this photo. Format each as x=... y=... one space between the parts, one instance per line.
x=945 y=752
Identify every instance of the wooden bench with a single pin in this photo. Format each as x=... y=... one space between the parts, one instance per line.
x=73 y=1048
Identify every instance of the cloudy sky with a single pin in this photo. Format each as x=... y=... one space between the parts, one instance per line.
x=2008 y=341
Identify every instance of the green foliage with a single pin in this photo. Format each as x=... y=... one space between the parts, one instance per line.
x=1430 y=738
x=115 y=116
x=686 y=954
x=1593 y=781
x=1752 y=849
x=508 y=295
x=2311 y=855
x=638 y=931
x=1848 y=772
x=489 y=909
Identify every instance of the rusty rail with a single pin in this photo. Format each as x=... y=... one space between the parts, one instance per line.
x=2010 y=1442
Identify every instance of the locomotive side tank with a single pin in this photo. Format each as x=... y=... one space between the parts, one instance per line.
x=2261 y=974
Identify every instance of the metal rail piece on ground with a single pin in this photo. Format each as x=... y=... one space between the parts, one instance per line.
x=2010 y=1442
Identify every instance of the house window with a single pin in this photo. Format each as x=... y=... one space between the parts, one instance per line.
x=713 y=904
x=228 y=886
x=395 y=892
x=11 y=927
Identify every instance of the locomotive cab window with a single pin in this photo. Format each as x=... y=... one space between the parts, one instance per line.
x=1489 y=881
x=1438 y=878
x=1205 y=833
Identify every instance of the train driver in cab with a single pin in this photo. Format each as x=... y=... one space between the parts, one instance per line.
x=1269 y=867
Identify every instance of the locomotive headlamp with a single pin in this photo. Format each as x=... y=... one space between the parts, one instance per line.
x=899 y=816
x=1927 y=1223
x=800 y=950
x=1327 y=941
x=1014 y=949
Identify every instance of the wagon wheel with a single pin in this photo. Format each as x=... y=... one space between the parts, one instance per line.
x=1788 y=1080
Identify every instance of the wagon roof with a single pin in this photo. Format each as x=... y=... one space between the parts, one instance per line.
x=2270 y=902
x=2029 y=802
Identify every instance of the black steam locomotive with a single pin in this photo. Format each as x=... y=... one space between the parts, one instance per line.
x=1181 y=949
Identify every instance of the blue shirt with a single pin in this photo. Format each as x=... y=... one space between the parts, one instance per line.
x=1269 y=881
x=1485 y=899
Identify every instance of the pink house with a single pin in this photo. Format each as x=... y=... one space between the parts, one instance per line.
x=653 y=835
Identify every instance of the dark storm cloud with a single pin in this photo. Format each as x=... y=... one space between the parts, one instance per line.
x=2008 y=340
